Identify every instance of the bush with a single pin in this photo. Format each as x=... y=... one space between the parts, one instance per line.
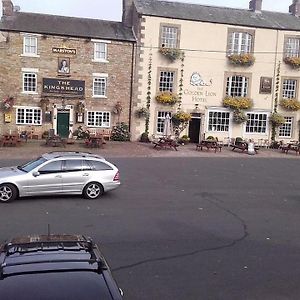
x=184 y=140
x=81 y=133
x=120 y=132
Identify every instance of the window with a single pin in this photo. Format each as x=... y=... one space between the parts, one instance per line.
x=240 y=43
x=99 y=86
x=52 y=167
x=98 y=119
x=73 y=165
x=166 y=81
x=169 y=36
x=285 y=130
x=257 y=123
x=218 y=121
x=292 y=47
x=29 y=82
x=30 y=45
x=237 y=86
x=29 y=116
x=161 y=115
x=99 y=166
x=100 y=51
x=289 y=87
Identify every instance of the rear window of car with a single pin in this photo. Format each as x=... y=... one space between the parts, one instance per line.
x=99 y=165
x=55 y=286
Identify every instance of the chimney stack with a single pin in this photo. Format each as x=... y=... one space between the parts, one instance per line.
x=7 y=8
x=255 y=5
x=294 y=9
x=127 y=13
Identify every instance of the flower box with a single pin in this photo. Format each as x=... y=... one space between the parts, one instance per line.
x=142 y=112
x=167 y=98
x=290 y=104
x=237 y=103
x=245 y=59
x=294 y=62
x=171 y=53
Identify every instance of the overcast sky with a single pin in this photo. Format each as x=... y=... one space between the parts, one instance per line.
x=112 y=9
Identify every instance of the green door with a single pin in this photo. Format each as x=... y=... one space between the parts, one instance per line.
x=63 y=124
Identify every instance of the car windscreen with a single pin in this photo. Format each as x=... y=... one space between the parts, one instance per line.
x=55 y=286
x=32 y=164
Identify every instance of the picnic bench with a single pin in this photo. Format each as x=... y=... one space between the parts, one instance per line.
x=242 y=145
x=55 y=141
x=291 y=147
x=209 y=144
x=165 y=143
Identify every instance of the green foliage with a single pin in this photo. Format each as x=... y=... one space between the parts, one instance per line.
x=245 y=59
x=171 y=53
x=239 y=116
x=144 y=138
x=184 y=139
x=237 y=103
x=81 y=133
x=120 y=132
x=290 y=104
x=276 y=119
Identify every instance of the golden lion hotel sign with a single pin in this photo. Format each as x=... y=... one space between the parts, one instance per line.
x=63 y=87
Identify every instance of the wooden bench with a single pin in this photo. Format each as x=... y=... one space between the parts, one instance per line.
x=209 y=145
x=166 y=143
x=243 y=146
x=292 y=147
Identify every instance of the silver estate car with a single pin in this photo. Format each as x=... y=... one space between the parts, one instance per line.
x=59 y=173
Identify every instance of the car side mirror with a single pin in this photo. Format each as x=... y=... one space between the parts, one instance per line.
x=36 y=174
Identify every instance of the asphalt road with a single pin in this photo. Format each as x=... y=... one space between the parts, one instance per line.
x=186 y=228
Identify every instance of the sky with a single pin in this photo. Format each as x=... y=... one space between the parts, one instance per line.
x=112 y=9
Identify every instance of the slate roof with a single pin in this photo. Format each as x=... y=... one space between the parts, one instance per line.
x=66 y=26
x=216 y=14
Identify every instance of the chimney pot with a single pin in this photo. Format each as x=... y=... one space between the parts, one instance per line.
x=255 y=5
x=7 y=8
x=294 y=8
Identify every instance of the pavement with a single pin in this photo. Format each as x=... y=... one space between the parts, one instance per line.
x=33 y=148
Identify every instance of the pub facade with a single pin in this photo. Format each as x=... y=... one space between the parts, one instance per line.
x=62 y=73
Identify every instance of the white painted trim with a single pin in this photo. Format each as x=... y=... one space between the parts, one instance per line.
x=30 y=34
x=30 y=55
x=101 y=41
x=100 y=60
x=30 y=70
x=100 y=75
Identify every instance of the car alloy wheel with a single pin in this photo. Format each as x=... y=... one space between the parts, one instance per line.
x=8 y=192
x=93 y=190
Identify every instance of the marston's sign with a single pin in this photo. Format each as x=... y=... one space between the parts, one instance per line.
x=63 y=86
x=64 y=50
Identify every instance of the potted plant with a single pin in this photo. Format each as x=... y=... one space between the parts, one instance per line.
x=184 y=140
x=171 y=53
x=144 y=138
x=244 y=59
x=290 y=104
x=166 y=98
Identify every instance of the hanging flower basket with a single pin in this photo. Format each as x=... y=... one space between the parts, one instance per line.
x=276 y=119
x=167 y=98
x=171 y=53
x=290 y=104
x=294 y=62
x=7 y=104
x=142 y=112
x=118 y=108
x=181 y=117
x=245 y=59
x=237 y=103
x=239 y=117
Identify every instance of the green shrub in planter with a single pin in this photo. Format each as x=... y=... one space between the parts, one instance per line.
x=144 y=138
x=184 y=140
x=120 y=132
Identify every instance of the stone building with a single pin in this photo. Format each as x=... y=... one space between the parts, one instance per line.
x=63 y=72
x=229 y=68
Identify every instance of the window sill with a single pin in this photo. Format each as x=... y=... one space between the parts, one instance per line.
x=29 y=93
x=100 y=97
x=30 y=55
x=100 y=61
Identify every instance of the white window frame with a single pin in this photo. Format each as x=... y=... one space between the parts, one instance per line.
x=217 y=127
x=230 y=86
x=29 y=38
x=292 y=47
x=289 y=88
x=104 y=43
x=160 y=118
x=169 y=36
x=240 y=43
x=286 y=128
x=165 y=82
x=27 y=111
x=99 y=114
x=32 y=72
x=266 y=121
x=103 y=77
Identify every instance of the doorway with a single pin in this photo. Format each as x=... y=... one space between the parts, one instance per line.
x=194 y=130
x=63 y=120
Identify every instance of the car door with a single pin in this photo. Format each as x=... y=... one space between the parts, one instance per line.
x=45 y=180
x=76 y=174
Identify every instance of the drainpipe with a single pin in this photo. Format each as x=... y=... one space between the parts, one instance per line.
x=131 y=85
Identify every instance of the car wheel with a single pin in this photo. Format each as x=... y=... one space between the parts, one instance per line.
x=8 y=192
x=93 y=190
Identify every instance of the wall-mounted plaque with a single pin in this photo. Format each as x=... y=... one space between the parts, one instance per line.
x=62 y=50
x=63 y=67
x=265 y=85
x=63 y=87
